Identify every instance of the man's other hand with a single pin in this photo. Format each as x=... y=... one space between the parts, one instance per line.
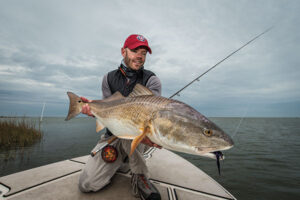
x=86 y=108
x=148 y=142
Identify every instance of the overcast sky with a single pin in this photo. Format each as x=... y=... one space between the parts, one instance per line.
x=50 y=47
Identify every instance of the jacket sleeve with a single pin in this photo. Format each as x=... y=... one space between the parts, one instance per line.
x=106 y=92
x=154 y=85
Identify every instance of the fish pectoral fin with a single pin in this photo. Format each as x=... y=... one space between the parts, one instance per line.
x=99 y=126
x=140 y=90
x=138 y=139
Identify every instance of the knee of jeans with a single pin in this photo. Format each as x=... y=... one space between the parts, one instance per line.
x=86 y=187
x=86 y=184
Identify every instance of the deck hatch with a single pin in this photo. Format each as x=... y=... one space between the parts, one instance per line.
x=3 y=190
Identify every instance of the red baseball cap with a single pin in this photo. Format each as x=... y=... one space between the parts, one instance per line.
x=134 y=41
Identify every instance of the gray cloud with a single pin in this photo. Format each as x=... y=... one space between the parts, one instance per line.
x=48 y=48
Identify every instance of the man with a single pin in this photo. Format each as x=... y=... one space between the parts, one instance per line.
x=97 y=172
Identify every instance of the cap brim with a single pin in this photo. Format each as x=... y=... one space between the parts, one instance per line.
x=136 y=45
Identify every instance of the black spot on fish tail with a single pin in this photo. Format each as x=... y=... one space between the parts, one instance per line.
x=219 y=155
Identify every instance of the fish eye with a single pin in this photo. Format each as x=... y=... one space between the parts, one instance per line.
x=208 y=132
x=79 y=101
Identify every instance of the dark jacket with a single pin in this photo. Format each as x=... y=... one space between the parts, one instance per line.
x=124 y=80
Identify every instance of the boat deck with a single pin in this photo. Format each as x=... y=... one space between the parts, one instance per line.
x=174 y=177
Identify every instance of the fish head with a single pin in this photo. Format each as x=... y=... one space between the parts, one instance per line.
x=211 y=138
x=184 y=129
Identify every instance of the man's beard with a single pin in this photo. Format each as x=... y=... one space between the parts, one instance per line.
x=129 y=61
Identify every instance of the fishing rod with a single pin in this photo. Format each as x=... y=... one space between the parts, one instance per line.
x=218 y=154
x=197 y=78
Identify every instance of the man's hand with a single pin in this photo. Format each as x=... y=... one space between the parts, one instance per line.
x=148 y=142
x=86 y=108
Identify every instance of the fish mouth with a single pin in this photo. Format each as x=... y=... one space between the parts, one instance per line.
x=217 y=154
x=226 y=148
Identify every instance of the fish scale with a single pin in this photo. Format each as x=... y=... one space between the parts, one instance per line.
x=136 y=108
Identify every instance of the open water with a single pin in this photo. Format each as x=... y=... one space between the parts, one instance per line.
x=263 y=164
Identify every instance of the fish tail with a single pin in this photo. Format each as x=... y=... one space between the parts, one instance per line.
x=75 y=106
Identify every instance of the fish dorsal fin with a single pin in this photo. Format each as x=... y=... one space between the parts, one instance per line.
x=140 y=90
x=116 y=96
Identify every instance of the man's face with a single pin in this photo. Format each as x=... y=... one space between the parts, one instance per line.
x=135 y=58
